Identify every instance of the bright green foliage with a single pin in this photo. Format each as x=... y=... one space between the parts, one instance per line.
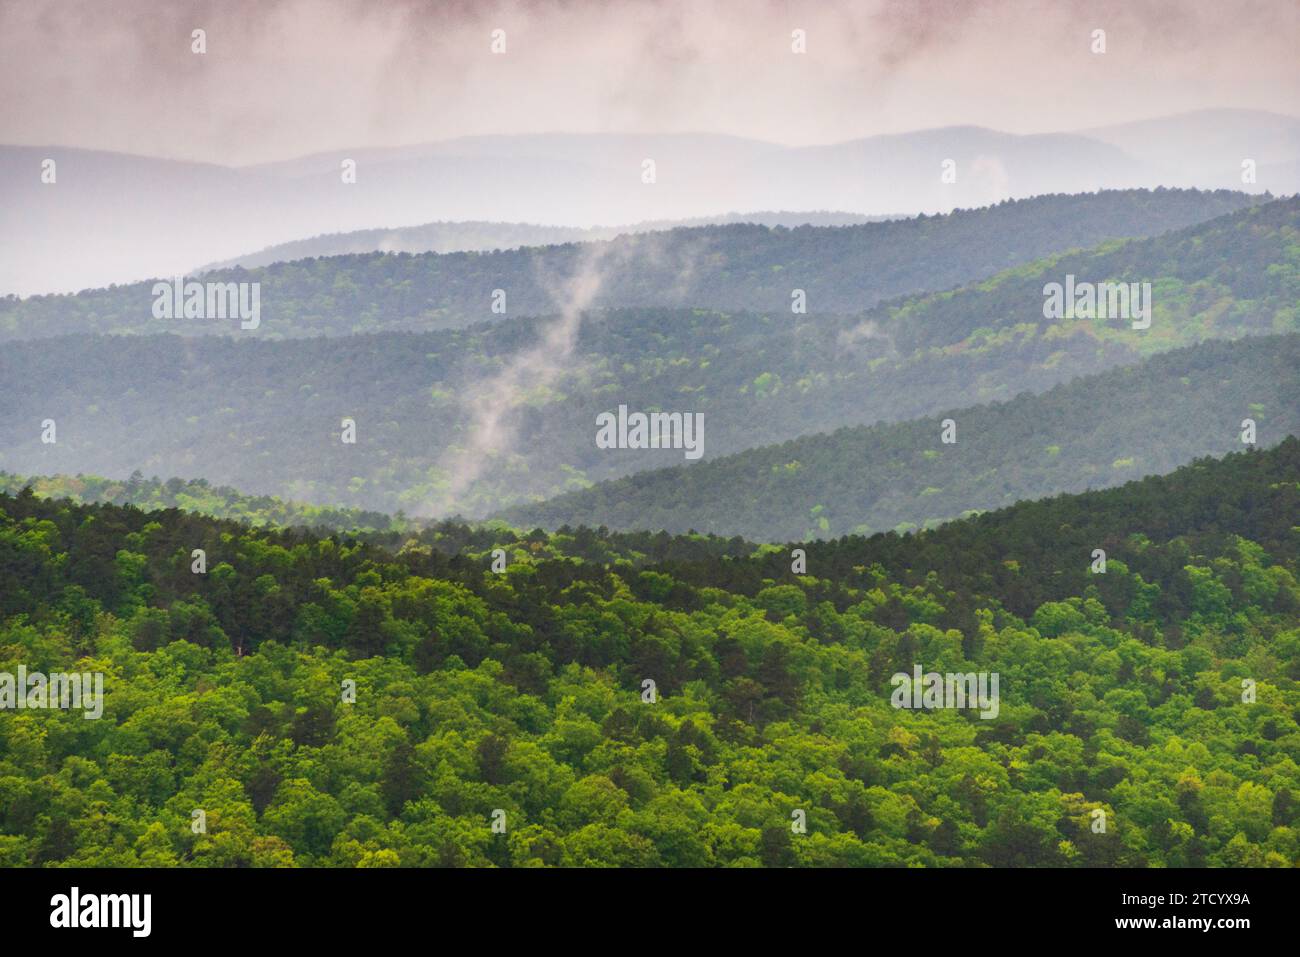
x=518 y=697
x=198 y=495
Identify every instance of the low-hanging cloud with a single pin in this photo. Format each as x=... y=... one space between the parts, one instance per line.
x=284 y=78
x=489 y=405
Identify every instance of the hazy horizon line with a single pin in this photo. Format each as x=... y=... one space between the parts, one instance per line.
x=661 y=134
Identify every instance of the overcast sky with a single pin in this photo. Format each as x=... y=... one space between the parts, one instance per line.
x=283 y=78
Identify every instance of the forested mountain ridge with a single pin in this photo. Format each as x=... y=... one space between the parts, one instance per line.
x=264 y=416
x=733 y=267
x=452 y=237
x=521 y=693
x=1092 y=432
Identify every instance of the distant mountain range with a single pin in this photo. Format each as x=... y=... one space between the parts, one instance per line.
x=114 y=218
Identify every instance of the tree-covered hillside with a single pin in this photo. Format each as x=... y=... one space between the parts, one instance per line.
x=475 y=420
x=732 y=267
x=448 y=537
x=201 y=496
x=1093 y=432
x=340 y=702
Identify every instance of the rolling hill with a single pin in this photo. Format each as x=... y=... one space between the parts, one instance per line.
x=476 y=420
x=731 y=267
x=1093 y=432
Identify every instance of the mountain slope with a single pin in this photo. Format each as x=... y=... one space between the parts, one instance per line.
x=1090 y=433
x=475 y=420
x=733 y=267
